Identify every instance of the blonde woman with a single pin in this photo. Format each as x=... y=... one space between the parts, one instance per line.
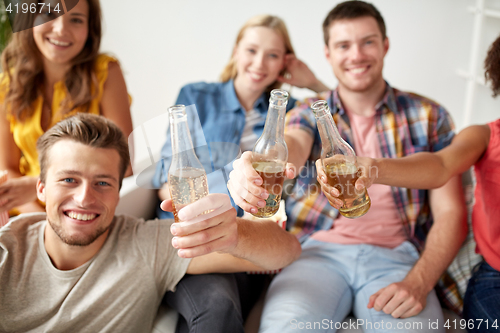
x=233 y=111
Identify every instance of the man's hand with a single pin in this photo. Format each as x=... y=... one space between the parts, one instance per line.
x=401 y=300
x=245 y=183
x=207 y=225
x=16 y=192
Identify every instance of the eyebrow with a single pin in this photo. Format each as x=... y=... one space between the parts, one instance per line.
x=78 y=173
x=78 y=14
x=364 y=38
x=272 y=50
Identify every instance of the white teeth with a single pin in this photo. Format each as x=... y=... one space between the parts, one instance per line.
x=358 y=70
x=81 y=217
x=256 y=76
x=58 y=43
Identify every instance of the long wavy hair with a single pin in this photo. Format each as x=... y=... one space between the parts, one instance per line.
x=492 y=67
x=267 y=21
x=22 y=63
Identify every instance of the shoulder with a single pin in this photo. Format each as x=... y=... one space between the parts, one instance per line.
x=20 y=228
x=203 y=88
x=413 y=100
x=105 y=61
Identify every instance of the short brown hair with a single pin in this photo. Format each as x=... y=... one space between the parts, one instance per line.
x=351 y=10
x=492 y=67
x=88 y=129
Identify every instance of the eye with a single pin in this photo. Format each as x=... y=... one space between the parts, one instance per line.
x=273 y=55
x=76 y=20
x=369 y=42
x=103 y=183
x=68 y=180
x=252 y=51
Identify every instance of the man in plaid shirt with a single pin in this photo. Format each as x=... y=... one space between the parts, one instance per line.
x=370 y=265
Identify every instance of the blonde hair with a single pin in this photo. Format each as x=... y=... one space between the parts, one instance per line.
x=267 y=21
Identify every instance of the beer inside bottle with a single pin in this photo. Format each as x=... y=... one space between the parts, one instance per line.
x=343 y=177
x=186 y=186
x=272 y=173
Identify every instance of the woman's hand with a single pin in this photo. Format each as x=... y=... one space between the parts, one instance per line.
x=299 y=75
x=368 y=174
x=16 y=192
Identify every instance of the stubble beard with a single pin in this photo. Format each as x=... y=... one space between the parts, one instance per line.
x=77 y=241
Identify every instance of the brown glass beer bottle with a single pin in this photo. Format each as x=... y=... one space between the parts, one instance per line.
x=270 y=154
x=339 y=163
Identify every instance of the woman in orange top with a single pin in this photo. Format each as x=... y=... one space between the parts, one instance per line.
x=53 y=71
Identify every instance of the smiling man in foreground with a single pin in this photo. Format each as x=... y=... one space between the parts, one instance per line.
x=80 y=268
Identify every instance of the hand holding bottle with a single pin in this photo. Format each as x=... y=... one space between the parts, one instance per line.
x=245 y=184
x=364 y=181
x=197 y=232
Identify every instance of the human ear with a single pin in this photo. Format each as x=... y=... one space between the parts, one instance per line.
x=327 y=53
x=40 y=190
x=386 y=45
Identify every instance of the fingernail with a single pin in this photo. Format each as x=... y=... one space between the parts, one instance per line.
x=253 y=210
x=264 y=195
x=261 y=204
x=257 y=182
x=323 y=179
x=181 y=215
x=174 y=242
x=180 y=253
x=173 y=229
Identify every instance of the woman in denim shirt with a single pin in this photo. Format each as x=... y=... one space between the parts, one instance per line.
x=230 y=116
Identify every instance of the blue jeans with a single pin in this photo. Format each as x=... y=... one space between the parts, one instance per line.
x=482 y=299
x=328 y=281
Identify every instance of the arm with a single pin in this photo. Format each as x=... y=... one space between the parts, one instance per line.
x=301 y=76
x=116 y=107
x=408 y=297
x=430 y=170
x=18 y=191
x=241 y=245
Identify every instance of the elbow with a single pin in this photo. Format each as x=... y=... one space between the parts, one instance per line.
x=297 y=249
x=294 y=252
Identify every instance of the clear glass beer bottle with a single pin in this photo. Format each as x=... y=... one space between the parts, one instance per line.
x=339 y=163
x=270 y=154
x=187 y=179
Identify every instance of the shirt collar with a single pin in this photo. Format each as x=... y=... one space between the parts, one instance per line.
x=389 y=101
x=230 y=102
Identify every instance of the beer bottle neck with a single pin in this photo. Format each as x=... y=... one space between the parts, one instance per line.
x=183 y=155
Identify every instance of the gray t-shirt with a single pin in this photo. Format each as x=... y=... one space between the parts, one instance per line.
x=118 y=290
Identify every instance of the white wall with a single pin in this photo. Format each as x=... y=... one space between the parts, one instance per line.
x=163 y=45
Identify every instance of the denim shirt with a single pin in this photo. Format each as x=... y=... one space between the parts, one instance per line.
x=216 y=121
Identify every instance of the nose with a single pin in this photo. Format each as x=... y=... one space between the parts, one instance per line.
x=84 y=195
x=357 y=52
x=58 y=25
x=259 y=60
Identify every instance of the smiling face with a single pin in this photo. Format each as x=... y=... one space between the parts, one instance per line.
x=63 y=38
x=260 y=57
x=81 y=191
x=356 y=52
